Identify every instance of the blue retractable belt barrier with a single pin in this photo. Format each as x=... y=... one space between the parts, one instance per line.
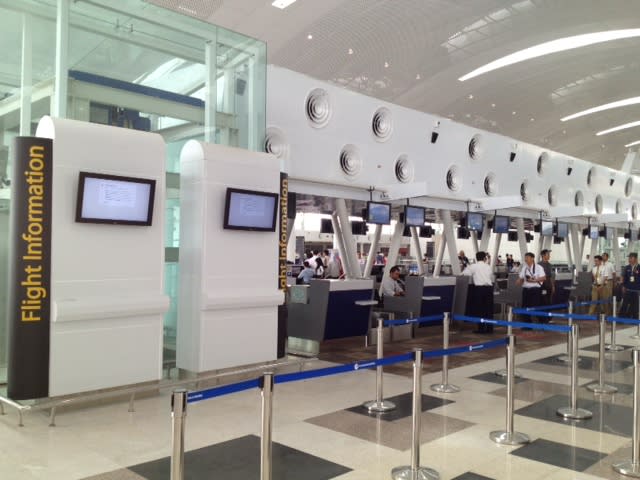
x=194 y=397
x=593 y=302
x=502 y=323
x=628 y=321
x=406 y=321
x=549 y=307
x=474 y=347
x=538 y=313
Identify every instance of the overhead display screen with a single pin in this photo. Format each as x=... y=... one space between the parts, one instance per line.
x=501 y=224
x=378 y=213
x=250 y=210
x=594 y=232
x=114 y=199
x=563 y=230
x=413 y=216
x=546 y=228
x=475 y=221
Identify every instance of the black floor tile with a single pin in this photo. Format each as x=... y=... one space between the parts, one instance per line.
x=403 y=406
x=559 y=455
x=493 y=378
x=588 y=363
x=239 y=459
x=472 y=476
x=596 y=348
x=607 y=418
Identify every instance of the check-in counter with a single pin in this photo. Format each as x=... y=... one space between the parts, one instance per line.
x=328 y=309
x=564 y=288
x=423 y=296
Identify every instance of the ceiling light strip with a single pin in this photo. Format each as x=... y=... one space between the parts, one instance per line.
x=554 y=46
x=282 y=4
x=619 y=127
x=637 y=142
x=607 y=106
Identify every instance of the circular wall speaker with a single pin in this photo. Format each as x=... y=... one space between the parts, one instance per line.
x=276 y=143
x=490 y=185
x=350 y=161
x=454 y=179
x=475 y=147
x=404 y=169
x=382 y=124
x=318 y=108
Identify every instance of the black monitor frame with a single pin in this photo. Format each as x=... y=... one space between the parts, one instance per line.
x=367 y=216
x=405 y=216
x=469 y=223
x=227 y=204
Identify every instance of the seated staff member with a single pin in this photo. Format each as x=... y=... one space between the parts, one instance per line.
x=481 y=292
x=392 y=286
x=307 y=273
x=531 y=278
x=630 y=288
x=599 y=289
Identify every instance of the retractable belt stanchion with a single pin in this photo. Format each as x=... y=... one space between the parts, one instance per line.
x=612 y=347
x=503 y=371
x=602 y=387
x=379 y=405
x=636 y=336
x=445 y=386
x=567 y=358
x=631 y=467
x=572 y=411
x=178 y=415
x=415 y=471
x=508 y=436
x=265 y=437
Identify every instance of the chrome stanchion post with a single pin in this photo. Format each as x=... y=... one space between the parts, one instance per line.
x=265 y=436
x=178 y=416
x=508 y=436
x=415 y=471
x=503 y=371
x=613 y=347
x=572 y=411
x=445 y=386
x=567 y=358
x=601 y=387
x=631 y=467
x=636 y=336
x=379 y=405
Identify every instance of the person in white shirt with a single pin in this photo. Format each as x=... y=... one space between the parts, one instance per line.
x=481 y=292
x=392 y=286
x=610 y=271
x=531 y=278
x=599 y=288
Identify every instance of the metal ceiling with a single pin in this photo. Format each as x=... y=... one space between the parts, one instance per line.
x=412 y=52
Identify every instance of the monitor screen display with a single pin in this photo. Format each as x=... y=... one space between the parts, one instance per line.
x=114 y=199
x=250 y=210
x=358 y=228
x=563 y=230
x=475 y=221
x=413 y=216
x=594 y=233
x=326 y=226
x=378 y=213
x=546 y=228
x=501 y=224
x=426 y=231
x=609 y=232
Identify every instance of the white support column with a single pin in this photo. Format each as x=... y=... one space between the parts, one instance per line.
x=26 y=77
x=567 y=246
x=372 y=251
x=474 y=241
x=337 y=238
x=416 y=246
x=496 y=249
x=450 y=237
x=539 y=245
x=592 y=253
x=578 y=262
x=347 y=238
x=211 y=89
x=522 y=240
x=547 y=243
x=616 y=248
x=439 y=256
x=486 y=236
x=392 y=258
x=59 y=107
x=574 y=235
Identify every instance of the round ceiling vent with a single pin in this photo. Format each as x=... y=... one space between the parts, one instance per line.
x=318 y=107
x=543 y=162
x=599 y=204
x=404 y=169
x=591 y=175
x=490 y=184
x=552 y=196
x=475 y=149
x=276 y=143
x=382 y=124
x=524 y=191
x=350 y=161
x=578 y=199
x=628 y=187
x=634 y=211
x=619 y=206
x=454 y=180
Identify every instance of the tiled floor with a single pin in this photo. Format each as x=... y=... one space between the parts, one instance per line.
x=322 y=432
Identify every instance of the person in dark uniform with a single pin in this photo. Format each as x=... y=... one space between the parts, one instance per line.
x=548 y=286
x=531 y=278
x=481 y=292
x=630 y=288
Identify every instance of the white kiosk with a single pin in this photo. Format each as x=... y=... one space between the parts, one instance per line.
x=107 y=300
x=229 y=297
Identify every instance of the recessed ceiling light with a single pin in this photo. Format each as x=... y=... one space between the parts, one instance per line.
x=532 y=119
x=282 y=4
x=350 y=51
x=619 y=127
x=386 y=64
x=603 y=146
x=513 y=113
x=554 y=46
x=607 y=106
x=564 y=132
x=418 y=77
x=310 y=37
x=493 y=105
x=637 y=142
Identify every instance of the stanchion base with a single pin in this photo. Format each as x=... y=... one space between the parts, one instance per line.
x=574 y=413
x=564 y=359
x=445 y=388
x=379 y=407
x=421 y=473
x=604 y=388
x=614 y=348
x=628 y=468
x=503 y=373
x=505 y=438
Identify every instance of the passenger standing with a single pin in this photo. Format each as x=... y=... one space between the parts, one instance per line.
x=549 y=284
x=531 y=278
x=481 y=292
x=630 y=288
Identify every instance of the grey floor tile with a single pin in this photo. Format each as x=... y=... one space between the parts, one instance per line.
x=403 y=408
x=559 y=454
x=604 y=468
x=533 y=390
x=589 y=363
x=493 y=378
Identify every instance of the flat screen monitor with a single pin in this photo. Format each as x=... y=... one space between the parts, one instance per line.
x=114 y=199
x=413 y=216
x=250 y=210
x=608 y=231
x=512 y=236
x=378 y=213
x=406 y=232
x=358 y=228
x=426 y=231
x=594 y=232
x=463 y=233
x=326 y=226
x=546 y=228
x=475 y=221
x=501 y=224
x=563 y=230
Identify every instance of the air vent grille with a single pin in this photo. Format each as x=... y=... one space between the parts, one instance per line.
x=524 y=191
x=578 y=199
x=619 y=207
x=475 y=147
x=634 y=211
x=382 y=124
x=276 y=143
x=404 y=169
x=628 y=187
x=318 y=108
x=490 y=184
x=454 y=180
x=552 y=196
x=591 y=176
x=543 y=161
x=599 y=204
x=350 y=161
